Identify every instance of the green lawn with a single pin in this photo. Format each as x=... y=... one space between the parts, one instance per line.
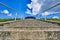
x=7 y=19
x=10 y=19
x=54 y=20
x=51 y=19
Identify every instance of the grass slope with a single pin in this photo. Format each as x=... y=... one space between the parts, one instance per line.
x=51 y=19
x=8 y=19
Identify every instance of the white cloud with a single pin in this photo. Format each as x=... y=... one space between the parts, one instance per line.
x=5 y=11
x=9 y=14
x=35 y=6
x=29 y=6
x=49 y=13
x=34 y=1
x=55 y=17
x=28 y=11
x=46 y=13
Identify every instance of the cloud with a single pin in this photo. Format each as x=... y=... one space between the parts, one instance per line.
x=34 y=1
x=28 y=11
x=9 y=14
x=38 y=6
x=5 y=12
x=46 y=13
x=29 y=6
x=49 y=13
x=55 y=17
x=35 y=6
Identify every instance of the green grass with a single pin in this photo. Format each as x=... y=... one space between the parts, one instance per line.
x=11 y=19
x=54 y=20
x=8 y=19
x=51 y=19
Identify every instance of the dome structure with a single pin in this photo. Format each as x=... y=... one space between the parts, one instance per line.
x=30 y=17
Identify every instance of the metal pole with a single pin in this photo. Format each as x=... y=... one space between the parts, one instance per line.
x=45 y=17
x=16 y=16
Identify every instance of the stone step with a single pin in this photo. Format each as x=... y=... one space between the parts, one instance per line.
x=31 y=23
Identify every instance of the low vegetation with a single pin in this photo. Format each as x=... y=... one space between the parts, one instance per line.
x=7 y=19
x=11 y=19
x=54 y=20
x=51 y=19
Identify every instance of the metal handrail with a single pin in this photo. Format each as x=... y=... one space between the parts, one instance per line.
x=52 y=7
x=10 y=8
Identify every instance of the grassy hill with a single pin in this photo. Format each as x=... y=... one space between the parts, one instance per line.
x=7 y=19
x=54 y=20
x=11 y=19
x=51 y=19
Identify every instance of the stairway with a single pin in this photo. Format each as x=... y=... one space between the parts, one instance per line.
x=29 y=30
x=30 y=23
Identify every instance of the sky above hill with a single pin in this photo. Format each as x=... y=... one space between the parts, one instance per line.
x=30 y=8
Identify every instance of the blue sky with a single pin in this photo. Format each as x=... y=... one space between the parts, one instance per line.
x=29 y=8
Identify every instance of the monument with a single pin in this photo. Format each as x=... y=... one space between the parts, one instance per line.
x=30 y=17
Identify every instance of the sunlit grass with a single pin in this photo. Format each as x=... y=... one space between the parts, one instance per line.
x=51 y=19
x=54 y=20
x=12 y=19
x=7 y=19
